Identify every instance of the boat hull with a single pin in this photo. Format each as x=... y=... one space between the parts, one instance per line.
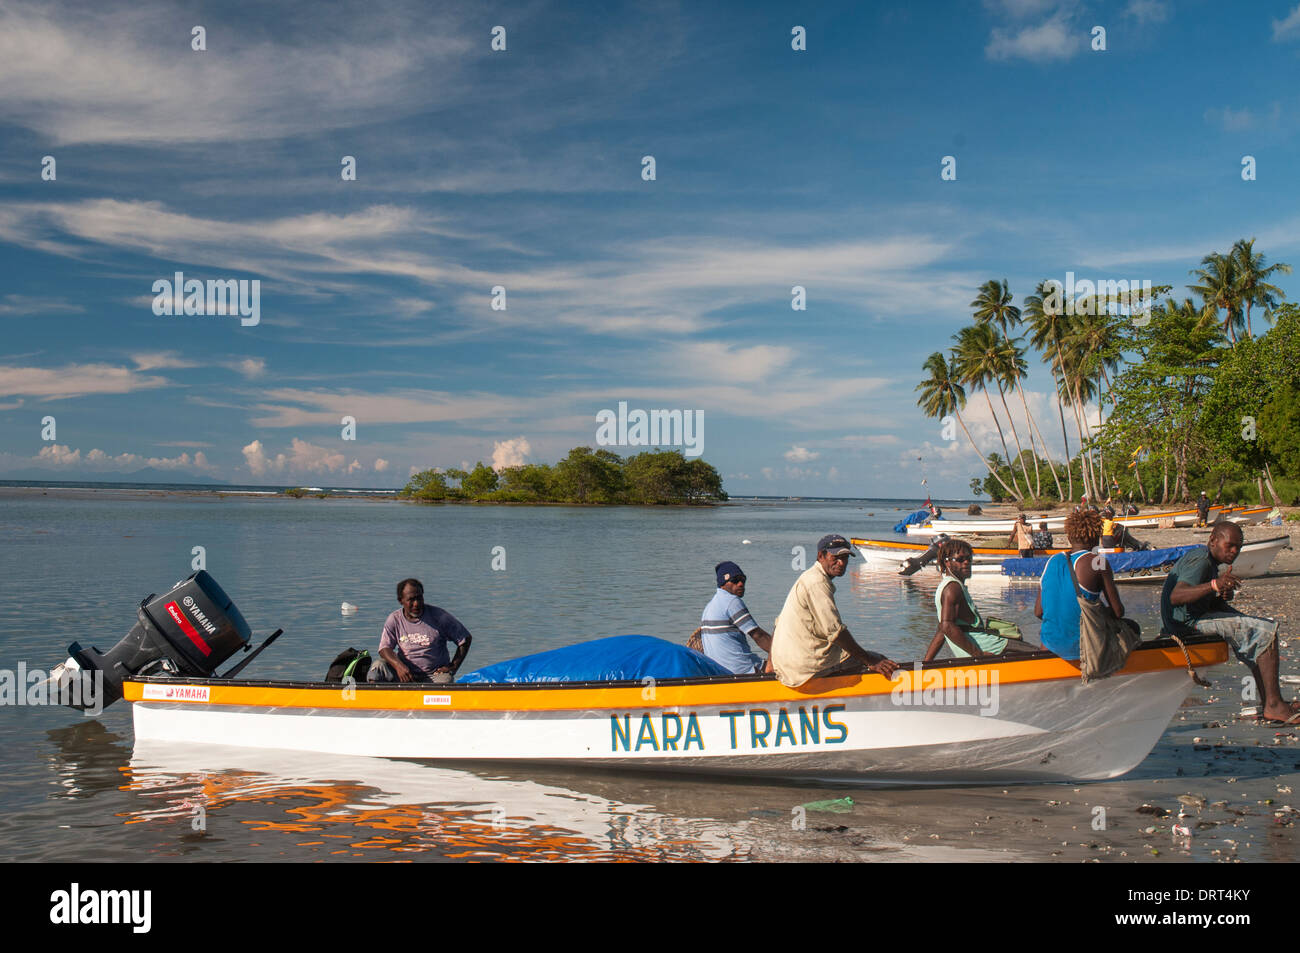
x=946 y=723
x=1253 y=561
x=1055 y=524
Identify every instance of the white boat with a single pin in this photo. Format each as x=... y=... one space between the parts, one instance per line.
x=1055 y=524
x=947 y=722
x=892 y=554
x=1254 y=559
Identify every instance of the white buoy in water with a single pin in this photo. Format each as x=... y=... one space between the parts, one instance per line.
x=349 y=608
x=744 y=542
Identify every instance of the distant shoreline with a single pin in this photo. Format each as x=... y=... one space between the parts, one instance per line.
x=91 y=490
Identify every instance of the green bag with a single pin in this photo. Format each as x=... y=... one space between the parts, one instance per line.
x=1008 y=630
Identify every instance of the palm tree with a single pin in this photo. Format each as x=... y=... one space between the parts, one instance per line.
x=1080 y=389
x=1049 y=325
x=993 y=305
x=1251 y=279
x=1096 y=338
x=1219 y=288
x=978 y=361
x=942 y=394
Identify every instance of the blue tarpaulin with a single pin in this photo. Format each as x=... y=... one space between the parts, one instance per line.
x=920 y=516
x=619 y=658
x=1119 y=562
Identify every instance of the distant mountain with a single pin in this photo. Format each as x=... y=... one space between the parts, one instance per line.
x=145 y=475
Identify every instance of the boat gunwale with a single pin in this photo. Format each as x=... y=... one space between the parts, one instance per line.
x=1164 y=643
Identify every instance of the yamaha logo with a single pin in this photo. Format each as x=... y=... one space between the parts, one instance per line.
x=188 y=602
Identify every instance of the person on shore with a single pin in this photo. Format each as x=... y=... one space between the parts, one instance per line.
x=1042 y=539
x=1058 y=596
x=1196 y=598
x=915 y=563
x=810 y=640
x=1085 y=506
x=413 y=645
x=1203 y=509
x=961 y=626
x=726 y=622
x=1022 y=537
x=1112 y=531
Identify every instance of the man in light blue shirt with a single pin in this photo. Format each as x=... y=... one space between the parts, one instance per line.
x=726 y=621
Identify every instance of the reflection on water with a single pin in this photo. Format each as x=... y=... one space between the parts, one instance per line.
x=282 y=802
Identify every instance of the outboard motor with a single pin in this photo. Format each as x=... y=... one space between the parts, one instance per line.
x=186 y=632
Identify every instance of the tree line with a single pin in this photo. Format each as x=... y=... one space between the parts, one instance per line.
x=584 y=476
x=1185 y=393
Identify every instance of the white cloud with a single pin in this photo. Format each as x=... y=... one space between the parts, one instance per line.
x=74 y=380
x=251 y=367
x=1232 y=120
x=58 y=455
x=801 y=454
x=28 y=304
x=871 y=440
x=303 y=457
x=730 y=363
x=509 y=453
x=1019 y=8
x=1148 y=11
x=160 y=360
x=1288 y=28
x=125 y=73
x=1055 y=39
x=380 y=464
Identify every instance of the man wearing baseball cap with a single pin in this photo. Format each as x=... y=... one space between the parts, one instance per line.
x=810 y=639
x=726 y=621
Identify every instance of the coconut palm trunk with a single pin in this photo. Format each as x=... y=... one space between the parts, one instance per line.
x=1006 y=453
x=1033 y=425
x=1020 y=452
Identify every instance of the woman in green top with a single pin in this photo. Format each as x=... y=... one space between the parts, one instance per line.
x=960 y=624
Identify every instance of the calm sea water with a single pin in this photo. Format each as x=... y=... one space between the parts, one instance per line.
x=74 y=565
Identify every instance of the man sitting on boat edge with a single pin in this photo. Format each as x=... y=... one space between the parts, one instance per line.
x=726 y=621
x=1195 y=598
x=810 y=640
x=413 y=646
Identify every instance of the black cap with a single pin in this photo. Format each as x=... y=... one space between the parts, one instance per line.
x=835 y=544
x=727 y=571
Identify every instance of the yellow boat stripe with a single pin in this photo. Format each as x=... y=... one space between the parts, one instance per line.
x=430 y=697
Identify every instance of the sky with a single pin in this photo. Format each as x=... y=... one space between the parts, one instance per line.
x=644 y=184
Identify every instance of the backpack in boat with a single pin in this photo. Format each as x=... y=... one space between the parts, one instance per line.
x=1105 y=642
x=350 y=663
x=696 y=641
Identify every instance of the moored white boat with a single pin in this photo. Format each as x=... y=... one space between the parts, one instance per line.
x=1055 y=524
x=1029 y=719
x=1253 y=561
x=1145 y=566
x=891 y=553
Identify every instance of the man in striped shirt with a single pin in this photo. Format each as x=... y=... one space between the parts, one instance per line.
x=726 y=621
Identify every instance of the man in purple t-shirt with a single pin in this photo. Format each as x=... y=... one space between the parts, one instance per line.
x=413 y=646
